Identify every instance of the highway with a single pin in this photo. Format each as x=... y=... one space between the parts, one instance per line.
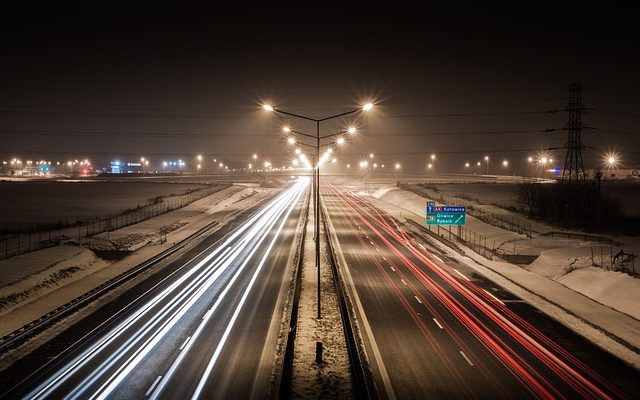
x=208 y=329
x=432 y=328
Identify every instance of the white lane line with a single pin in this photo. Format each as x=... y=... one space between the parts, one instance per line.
x=437 y=323
x=405 y=283
x=186 y=293
x=417 y=299
x=466 y=358
x=377 y=249
x=494 y=297
x=153 y=386
x=206 y=315
x=212 y=361
x=371 y=242
x=185 y=343
x=423 y=248
x=460 y=273
x=437 y=258
x=393 y=269
x=384 y=258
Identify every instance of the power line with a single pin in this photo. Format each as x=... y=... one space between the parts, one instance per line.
x=470 y=114
x=214 y=135
x=220 y=116
x=48 y=132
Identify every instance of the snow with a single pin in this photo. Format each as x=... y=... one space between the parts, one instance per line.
x=561 y=282
x=378 y=193
x=612 y=287
x=17 y=268
x=23 y=274
x=331 y=378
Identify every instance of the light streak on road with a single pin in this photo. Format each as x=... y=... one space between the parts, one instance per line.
x=124 y=347
x=457 y=306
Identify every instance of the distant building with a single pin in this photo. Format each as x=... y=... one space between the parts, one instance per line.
x=125 y=167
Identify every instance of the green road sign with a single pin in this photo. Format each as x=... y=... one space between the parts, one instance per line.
x=446 y=215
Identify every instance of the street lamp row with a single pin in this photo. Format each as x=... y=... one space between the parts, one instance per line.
x=316 y=169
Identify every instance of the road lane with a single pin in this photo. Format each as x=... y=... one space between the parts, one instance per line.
x=199 y=334
x=439 y=334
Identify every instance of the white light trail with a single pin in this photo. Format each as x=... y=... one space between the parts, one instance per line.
x=203 y=275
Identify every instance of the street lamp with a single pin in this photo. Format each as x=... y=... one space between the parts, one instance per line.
x=199 y=163
x=316 y=173
x=486 y=160
x=611 y=160
x=433 y=161
x=364 y=165
x=398 y=168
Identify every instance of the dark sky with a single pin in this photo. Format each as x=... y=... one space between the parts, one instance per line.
x=173 y=81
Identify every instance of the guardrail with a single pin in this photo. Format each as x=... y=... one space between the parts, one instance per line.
x=363 y=387
x=23 y=333
x=284 y=383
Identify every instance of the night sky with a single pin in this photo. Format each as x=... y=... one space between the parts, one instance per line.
x=162 y=81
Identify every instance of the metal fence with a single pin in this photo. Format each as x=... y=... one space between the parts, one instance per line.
x=580 y=236
x=508 y=222
x=30 y=241
x=473 y=240
x=607 y=258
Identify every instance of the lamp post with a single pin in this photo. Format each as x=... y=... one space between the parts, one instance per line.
x=486 y=160
x=199 y=163
x=316 y=172
x=399 y=169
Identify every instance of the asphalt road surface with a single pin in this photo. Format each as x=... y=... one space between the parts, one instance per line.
x=208 y=330
x=434 y=329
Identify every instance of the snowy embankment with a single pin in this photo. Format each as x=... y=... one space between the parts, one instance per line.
x=601 y=305
x=36 y=283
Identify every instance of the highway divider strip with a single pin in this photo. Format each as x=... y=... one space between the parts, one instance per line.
x=283 y=384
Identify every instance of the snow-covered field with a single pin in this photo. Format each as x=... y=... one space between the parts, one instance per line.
x=27 y=204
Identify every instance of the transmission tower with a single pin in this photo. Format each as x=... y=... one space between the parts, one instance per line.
x=573 y=166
